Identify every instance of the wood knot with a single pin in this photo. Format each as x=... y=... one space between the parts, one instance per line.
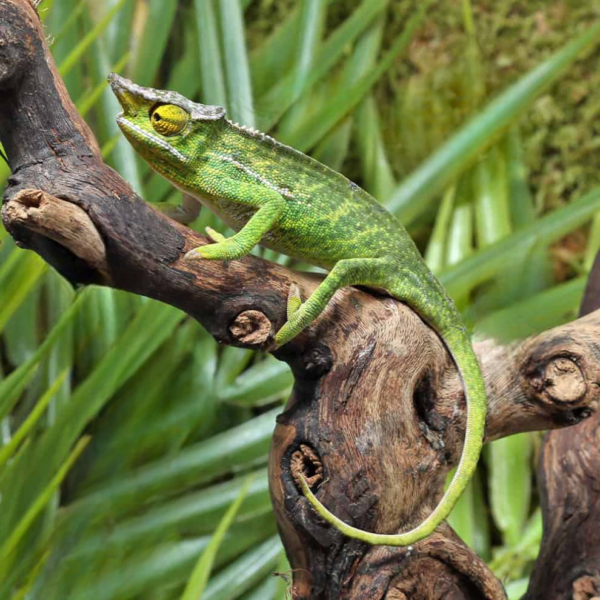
x=30 y=198
x=586 y=588
x=563 y=380
x=305 y=461
x=251 y=327
x=395 y=595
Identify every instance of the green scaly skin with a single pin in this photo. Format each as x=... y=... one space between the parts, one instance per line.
x=277 y=197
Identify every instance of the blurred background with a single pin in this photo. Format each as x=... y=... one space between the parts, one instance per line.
x=476 y=122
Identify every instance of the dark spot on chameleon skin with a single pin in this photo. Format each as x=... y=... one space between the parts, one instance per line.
x=354 y=187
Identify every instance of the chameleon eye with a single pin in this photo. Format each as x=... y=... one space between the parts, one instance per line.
x=168 y=119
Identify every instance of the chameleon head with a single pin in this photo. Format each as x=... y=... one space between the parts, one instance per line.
x=165 y=128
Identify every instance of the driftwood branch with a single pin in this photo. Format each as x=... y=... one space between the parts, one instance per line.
x=376 y=419
x=568 y=567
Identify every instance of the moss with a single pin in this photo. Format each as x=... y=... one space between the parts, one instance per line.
x=428 y=94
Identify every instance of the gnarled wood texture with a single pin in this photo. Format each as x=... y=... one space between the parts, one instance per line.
x=376 y=418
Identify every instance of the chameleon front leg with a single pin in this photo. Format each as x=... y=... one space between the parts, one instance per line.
x=271 y=207
x=352 y=271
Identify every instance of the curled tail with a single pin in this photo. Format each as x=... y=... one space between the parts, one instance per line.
x=459 y=346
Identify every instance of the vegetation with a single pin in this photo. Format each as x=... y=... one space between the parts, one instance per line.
x=127 y=432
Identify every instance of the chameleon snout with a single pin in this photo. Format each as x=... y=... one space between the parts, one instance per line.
x=127 y=99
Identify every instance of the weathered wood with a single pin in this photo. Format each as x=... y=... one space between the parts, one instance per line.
x=568 y=566
x=376 y=419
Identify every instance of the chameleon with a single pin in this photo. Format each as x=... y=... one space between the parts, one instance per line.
x=273 y=195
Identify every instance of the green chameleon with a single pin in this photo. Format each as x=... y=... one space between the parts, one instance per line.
x=277 y=197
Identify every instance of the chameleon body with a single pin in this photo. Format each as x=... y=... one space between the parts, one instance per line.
x=277 y=197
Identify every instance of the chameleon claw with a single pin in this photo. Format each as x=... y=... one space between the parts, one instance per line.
x=193 y=255
x=215 y=236
x=294 y=301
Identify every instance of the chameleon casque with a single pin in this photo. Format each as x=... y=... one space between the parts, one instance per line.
x=280 y=198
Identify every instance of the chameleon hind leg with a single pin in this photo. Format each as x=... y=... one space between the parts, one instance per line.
x=351 y=271
x=415 y=287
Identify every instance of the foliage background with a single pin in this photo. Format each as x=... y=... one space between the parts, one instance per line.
x=175 y=423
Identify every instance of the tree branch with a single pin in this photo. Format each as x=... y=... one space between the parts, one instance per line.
x=376 y=419
x=568 y=566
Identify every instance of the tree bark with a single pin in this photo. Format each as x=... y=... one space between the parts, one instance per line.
x=568 y=566
x=377 y=415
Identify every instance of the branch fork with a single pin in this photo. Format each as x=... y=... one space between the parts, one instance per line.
x=377 y=415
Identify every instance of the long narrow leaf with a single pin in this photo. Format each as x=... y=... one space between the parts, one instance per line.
x=281 y=96
x=237 y=71
x=488 y=262
x=199 y=577
x=211 y=64
x=7 y=451
x=75 y=55
x=310 y=131
x=415 y=193
x=38 y=505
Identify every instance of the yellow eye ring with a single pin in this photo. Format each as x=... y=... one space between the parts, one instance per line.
x=168 y=119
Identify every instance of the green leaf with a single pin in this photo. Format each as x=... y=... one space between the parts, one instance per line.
x=491 y=199
x=199 y=577
x=9 y=546
x=148 y=52
x=510 y=472
x=334 y=147
x=9 y=449
x=211 y=64
x=152 y=325
x=435 y=255
x=488 y=262
x=266 y=381
x=538 y=313
x=237 y=71
x=75 y=55
x=89 y=101
x=192 y=513
x=377 y=172
x=416 y=192
x=469 y=517
x=248 y=570
x=517 y=589
x=12 y=386
x=18 y=276
x=308 y=132
x=198 y=463
x=283 y=94
x=273 y=58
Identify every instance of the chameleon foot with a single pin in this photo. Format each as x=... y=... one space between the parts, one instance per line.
x=229 y=249
x=215 y=236
x=292 y=327
x=294 y=301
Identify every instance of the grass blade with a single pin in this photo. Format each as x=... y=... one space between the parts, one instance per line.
x=12 y=386
x=237 y=71
x=7 y=451
x=307 y=133
x=199 y=578
x=150 y=49
x=211 y=64
x=417 y=191
x=488 y=262
x=279 y=98
x=9 y=546
x=75 y=55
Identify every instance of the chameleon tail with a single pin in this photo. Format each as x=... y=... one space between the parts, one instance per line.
x=459 y=346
